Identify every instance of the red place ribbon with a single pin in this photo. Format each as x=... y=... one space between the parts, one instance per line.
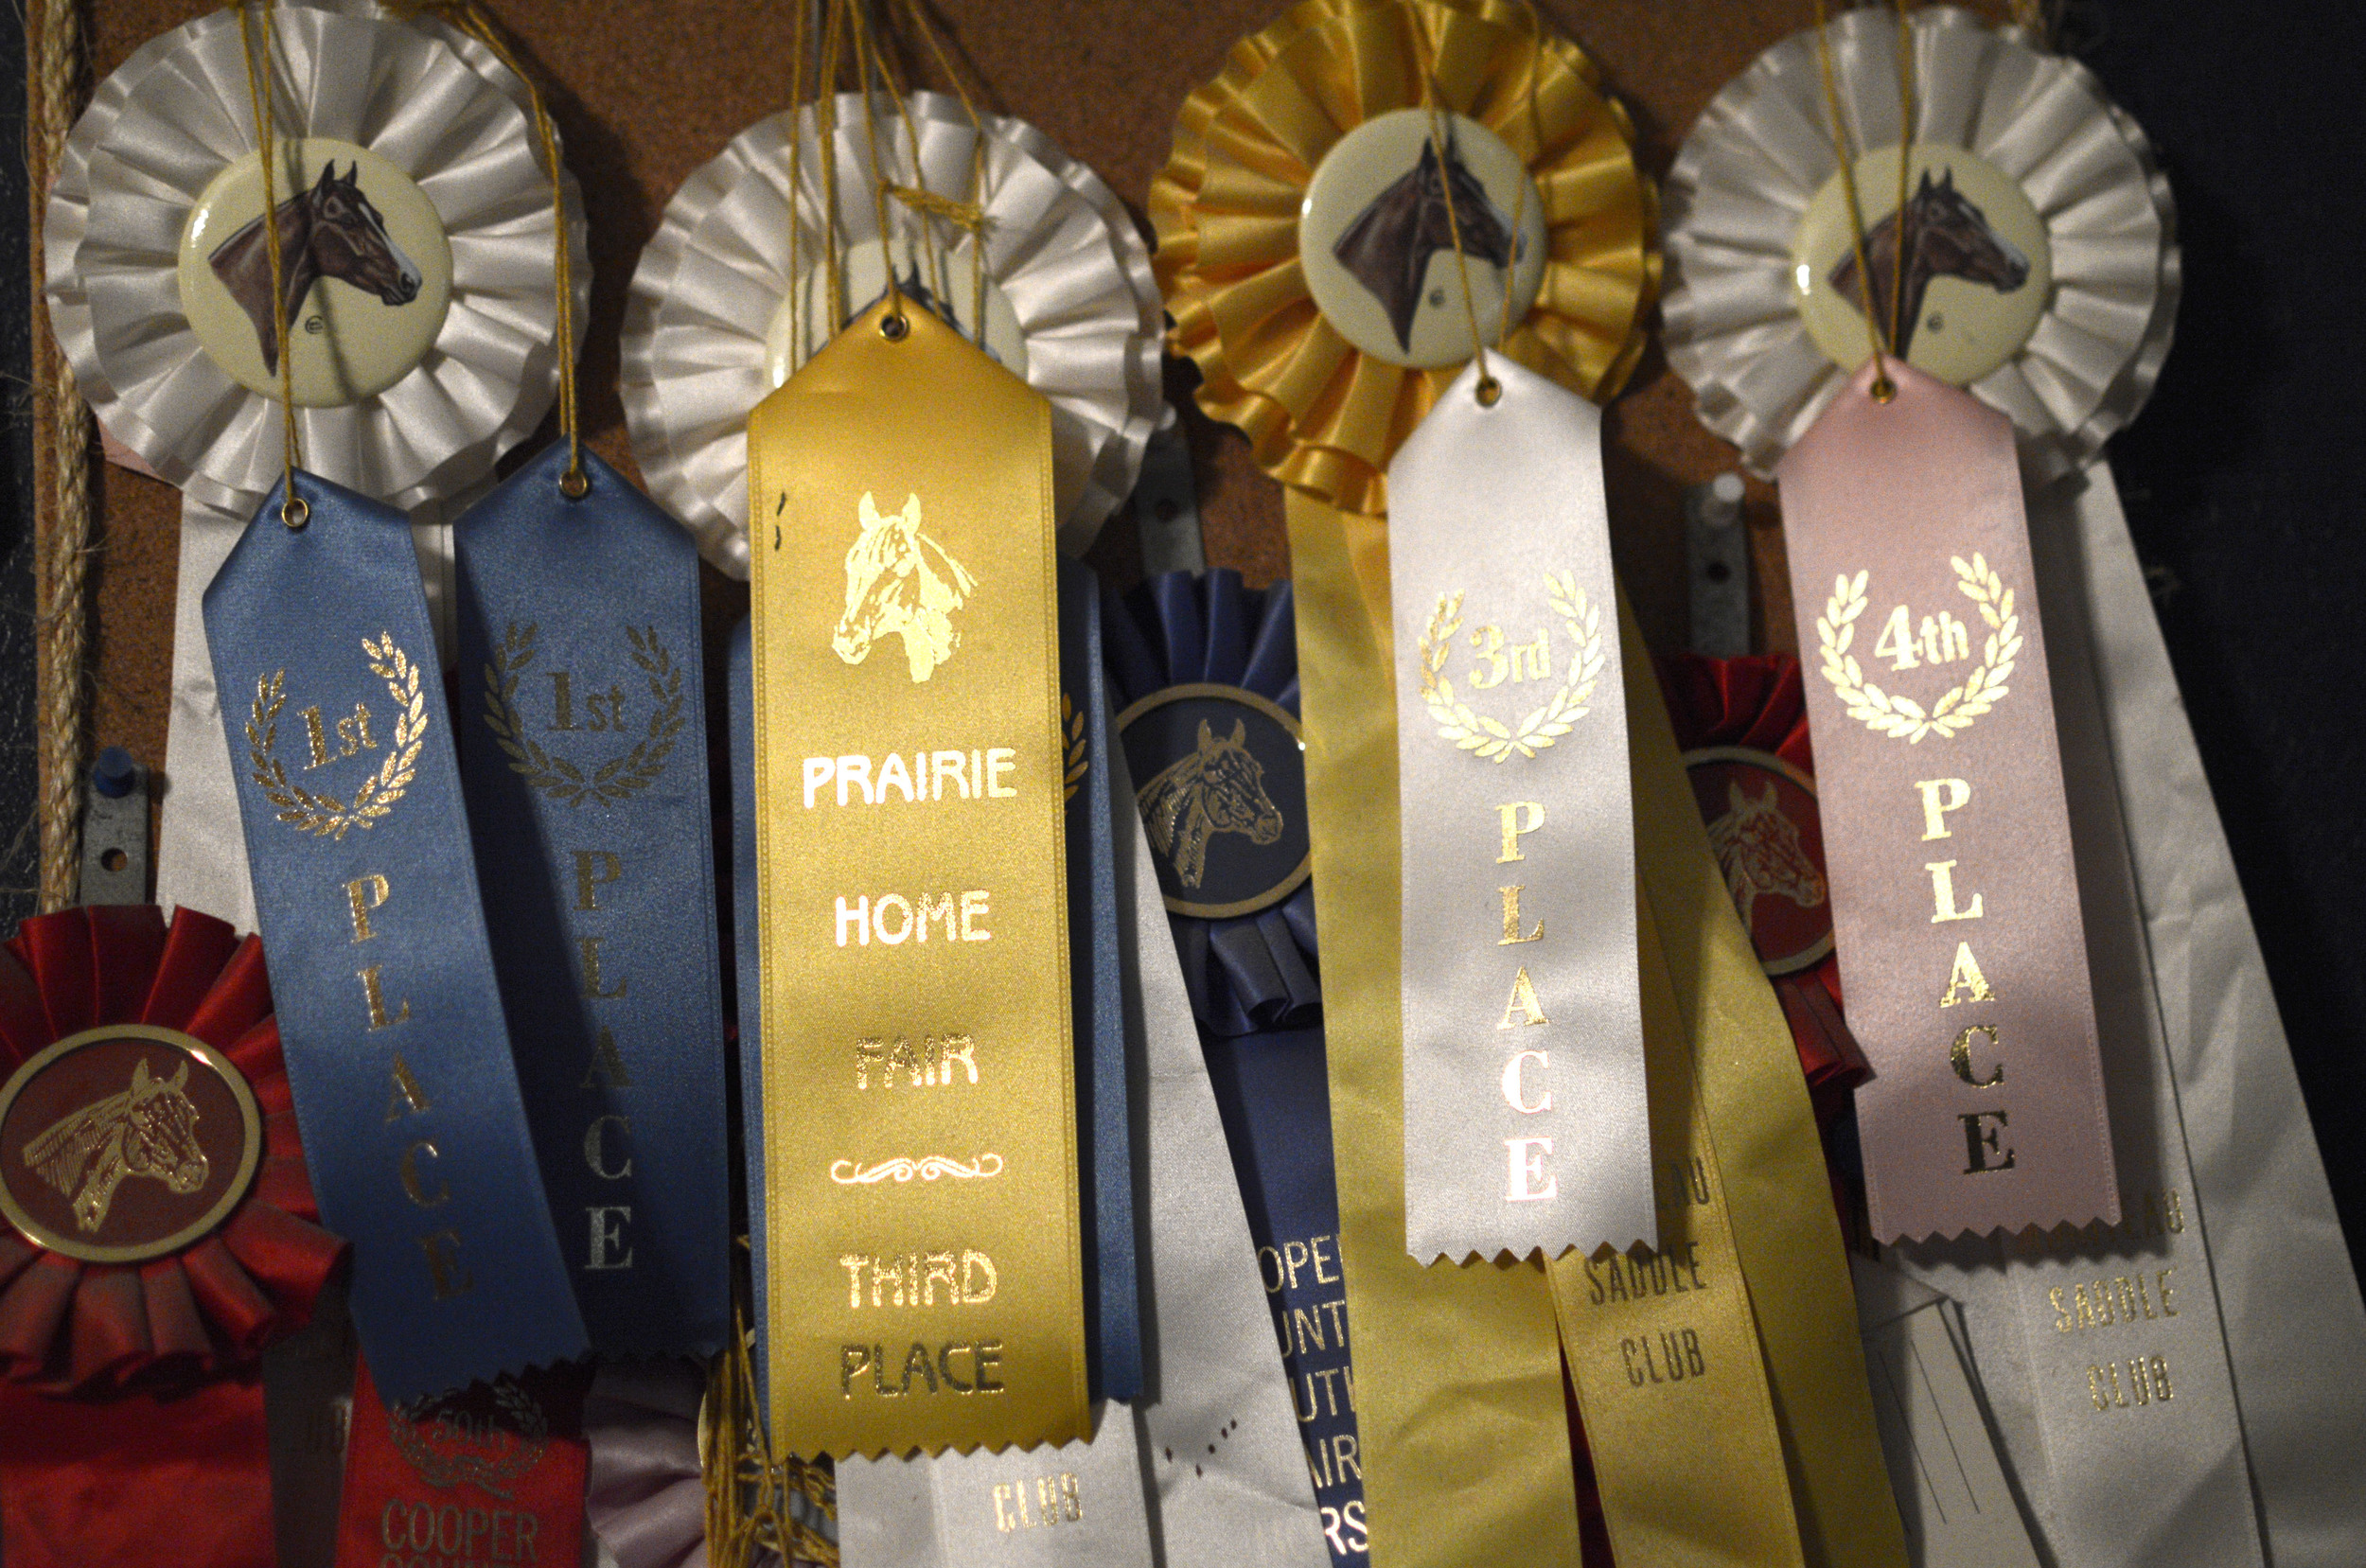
x=1755 y=703
x=129 y=1389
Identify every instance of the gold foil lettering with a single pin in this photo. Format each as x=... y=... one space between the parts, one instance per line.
x=1000 y=760
x=596 y=1147
x=607 y=1237
x=1980 y=1142
x=974 y=909
x=362 y=894
x=407 y=1097
x=590 y=948
x=375 y=993
x=1943 y=893
x=1965 y=984
x=895 y=775
x=937 y=908
x=447 y=1276
x=413 y=1184
x=1960 y=1055
x=594 y=868
x=1519 y=817
x=943 y=763
x=1524 y=1159
x=1522 y=1010
x=1939 y=797
x=608 y=1064
x=859 y=915
x=1511 y=919
x=879 y=918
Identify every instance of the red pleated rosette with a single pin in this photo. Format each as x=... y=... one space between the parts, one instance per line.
x=1742 y=727
x=157 y=1226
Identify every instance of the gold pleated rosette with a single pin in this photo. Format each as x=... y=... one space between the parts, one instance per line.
x=722 y=307
x=2050 y=291
x=1291 y=139
x=421 y=355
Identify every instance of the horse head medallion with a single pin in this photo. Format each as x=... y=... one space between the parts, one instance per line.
x=1218 y=788
x=1388 y=246
x=331 y=230
x=1941 y=233
x=1758 y=846
x=901 y=582
x=147 y=1130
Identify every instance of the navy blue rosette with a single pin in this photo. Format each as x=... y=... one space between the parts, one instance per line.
x=1204 y=671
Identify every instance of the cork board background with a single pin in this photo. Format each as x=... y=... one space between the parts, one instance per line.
x=645 y=91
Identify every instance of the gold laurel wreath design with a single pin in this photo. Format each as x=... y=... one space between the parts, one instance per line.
x=525 y=1421
x=323 y=816
x=847 y=1172
x=1072 y=730
x=562 y=779
x=1490 y=738
x=1888 y=713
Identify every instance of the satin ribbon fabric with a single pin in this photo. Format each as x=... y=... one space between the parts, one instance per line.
x=391 y=1016
x=583 y=758
x=1954 y=898
x=1526 y=1124
x=1113 y=1327
x=918 y=1094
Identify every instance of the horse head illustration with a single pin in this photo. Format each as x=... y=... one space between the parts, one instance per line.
x=1760 y=848
x=1218 y=788
x=1388 y=246
x=1942 y=234
x=147 y=1130
x=331 y=230
x=900 y=582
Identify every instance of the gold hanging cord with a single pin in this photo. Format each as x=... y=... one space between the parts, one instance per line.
x=470 y=18
x=1883 y=389
x=293 y=510
x=1489 y=389
x=749 y=1507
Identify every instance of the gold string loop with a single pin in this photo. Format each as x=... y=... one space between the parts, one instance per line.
x=1883 y=389
x=1489 y=388
x=294 y=511
x=468 y=17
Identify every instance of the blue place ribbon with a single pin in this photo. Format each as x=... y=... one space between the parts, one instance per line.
x=389 y=1012
x=583 y=757
x=1113 y=1329
x=1250 y=972
x=1253 y=985
x=1103 y=1122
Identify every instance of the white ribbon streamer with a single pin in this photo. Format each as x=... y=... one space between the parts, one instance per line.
x=1059 y=247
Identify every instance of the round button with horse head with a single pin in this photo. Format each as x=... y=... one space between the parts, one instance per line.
x=1978 y=274
x=366 y=272
x=1220 y=776
x=1383 y=216
x=125 y=1143
x=1769 y=843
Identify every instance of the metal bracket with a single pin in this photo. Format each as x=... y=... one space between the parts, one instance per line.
x=1717 y=565
x=1166 y=504
x=115 y=831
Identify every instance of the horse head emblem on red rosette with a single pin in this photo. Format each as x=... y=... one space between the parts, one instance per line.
x=156 y=1224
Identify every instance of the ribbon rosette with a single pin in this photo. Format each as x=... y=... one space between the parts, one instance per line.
x=2042 y=268
x=1265 y=274
x=419 y=223
x=1221 y=660
x=723 y=293
x=202 y=1217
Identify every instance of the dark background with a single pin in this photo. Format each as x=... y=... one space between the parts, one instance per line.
x=2240 y=478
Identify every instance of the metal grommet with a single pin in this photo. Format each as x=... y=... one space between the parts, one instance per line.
x=1491 y=392
x=575 y=485
x=1883 y=389
x=894 y=328
x=295 y=512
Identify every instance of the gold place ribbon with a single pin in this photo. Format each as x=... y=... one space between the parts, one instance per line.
x=1776 y=1193
x=1458 y=1368
x=918 y=1083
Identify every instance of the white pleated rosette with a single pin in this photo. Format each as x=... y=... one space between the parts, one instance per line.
x=430 y=101
x=701 y=346
x=1742 y=182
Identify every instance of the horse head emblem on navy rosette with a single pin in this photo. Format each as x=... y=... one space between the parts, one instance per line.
x=331 y=230
x=1219 y=787
x=1942 y=232
x=147 y=1130
x=901 y=582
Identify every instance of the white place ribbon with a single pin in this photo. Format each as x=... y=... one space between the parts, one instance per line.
x=1213 y=1455
x=1526 y=1125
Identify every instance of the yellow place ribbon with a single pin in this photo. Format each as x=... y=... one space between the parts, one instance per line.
x=1778 y=1196
x=1322 y=415
x=1459 y=1404
x=1664 y=1349
x=918 y=1092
